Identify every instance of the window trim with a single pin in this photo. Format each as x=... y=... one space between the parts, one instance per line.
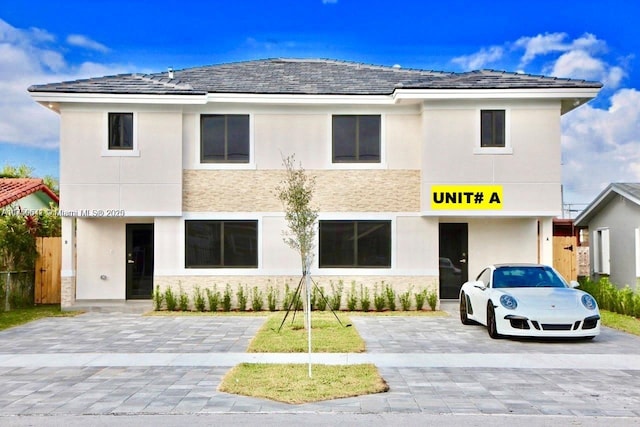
x=382 y=164
x=602 y=251
x=222 y=266
x=120 y=152
x=355 y=267
x=478 y=148
x=251 y=164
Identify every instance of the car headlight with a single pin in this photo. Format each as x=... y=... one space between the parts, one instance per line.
x=508 y=302
x=589 y=302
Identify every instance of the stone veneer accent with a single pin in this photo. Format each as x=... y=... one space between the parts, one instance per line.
x=400 y=284
x=336 y=190
x=67 y=293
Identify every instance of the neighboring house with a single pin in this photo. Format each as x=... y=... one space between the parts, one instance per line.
x=25 y=195
x=168 y=179
x=613 y=219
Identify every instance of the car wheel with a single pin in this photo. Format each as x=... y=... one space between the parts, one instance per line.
x=464 y=318
x=491 y=322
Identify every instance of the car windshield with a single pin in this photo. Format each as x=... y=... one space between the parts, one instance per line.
x=527 y=277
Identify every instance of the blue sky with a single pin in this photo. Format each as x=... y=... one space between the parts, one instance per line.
x=45 y=41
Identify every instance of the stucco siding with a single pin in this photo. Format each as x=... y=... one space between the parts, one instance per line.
x=146 y=180
x=528 y=168
x=621 y=217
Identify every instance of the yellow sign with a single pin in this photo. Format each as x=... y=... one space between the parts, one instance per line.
x=466 y=197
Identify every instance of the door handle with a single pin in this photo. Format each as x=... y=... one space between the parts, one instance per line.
x=463 y=261
x=130 y=261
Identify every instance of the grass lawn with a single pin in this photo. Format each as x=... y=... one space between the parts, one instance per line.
x=327 y=335
x=291 y=383
x=621 y=322
x=20 y=316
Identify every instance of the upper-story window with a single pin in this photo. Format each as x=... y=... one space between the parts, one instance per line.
x=492 y=128
x=224 y=138
x=356 y=138
x=120 y=131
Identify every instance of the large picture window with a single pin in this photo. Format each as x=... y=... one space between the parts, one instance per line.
x=219 y=244
x=492 y=128
x=224 y=138
x=120 y=131
x=359 y=244
x=356 y=138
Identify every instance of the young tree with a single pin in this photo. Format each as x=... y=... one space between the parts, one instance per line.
x=296 y=193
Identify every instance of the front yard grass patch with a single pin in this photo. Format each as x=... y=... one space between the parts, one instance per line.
x=327 y=335
x=621 y=322
x=20 y=316
x=290 y=383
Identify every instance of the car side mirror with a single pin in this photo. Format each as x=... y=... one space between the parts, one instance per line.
x=574 y=284
x=478 y=284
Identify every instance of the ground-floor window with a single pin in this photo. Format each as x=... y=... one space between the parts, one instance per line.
x=220 y=244
x=360 y=244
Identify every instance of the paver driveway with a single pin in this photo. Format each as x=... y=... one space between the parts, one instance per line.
x=102 y=363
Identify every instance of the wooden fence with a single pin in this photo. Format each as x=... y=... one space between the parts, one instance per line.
x=565 y=259
x=47 y=274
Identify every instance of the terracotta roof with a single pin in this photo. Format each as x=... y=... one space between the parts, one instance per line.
x=304 y=77
x=12 y=189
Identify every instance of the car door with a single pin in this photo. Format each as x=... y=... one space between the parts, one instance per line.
x=479 y=295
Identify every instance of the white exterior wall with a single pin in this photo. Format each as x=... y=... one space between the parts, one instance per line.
x=146 y=181
x=440 y=141
x=501 y=240
x=529 y=170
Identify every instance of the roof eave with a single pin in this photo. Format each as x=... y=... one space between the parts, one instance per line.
x=571 y=97
x=582 y=220
x=48 y=99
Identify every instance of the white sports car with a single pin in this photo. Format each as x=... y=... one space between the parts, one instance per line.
x=528 y=300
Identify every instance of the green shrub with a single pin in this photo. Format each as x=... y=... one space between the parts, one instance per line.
x=199 y=301
x=421 y=298
x=432 y=300
x=320 y=299
x=213 y=298
x=609 y=297
x=226 y=298
x=257 y=299
x=405 y=299
x=379 y=299
x=272 y=298
x=352 y=297
x=335 y=301
x=242 y=298
x=183 y=300
x=365 y=300
x=170 y=299
x=390 y=295
x=158 y=298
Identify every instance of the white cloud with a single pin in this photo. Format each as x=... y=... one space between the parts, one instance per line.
x=329 y=1
x=479 y=59
x=601 y=146
x=579 y=64
x=544 y=44
x=85 y=42
x=30 y=57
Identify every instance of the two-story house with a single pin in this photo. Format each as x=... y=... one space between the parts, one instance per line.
x=422 y=177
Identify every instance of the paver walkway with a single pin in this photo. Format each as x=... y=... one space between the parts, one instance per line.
x=101 y=363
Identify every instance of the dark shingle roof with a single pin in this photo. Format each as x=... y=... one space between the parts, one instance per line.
x=304 y=77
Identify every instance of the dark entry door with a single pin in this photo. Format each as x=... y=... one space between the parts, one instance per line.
x=139 y=261
x=454 y=270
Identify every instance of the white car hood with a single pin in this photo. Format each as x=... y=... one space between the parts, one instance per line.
x=545 y=298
